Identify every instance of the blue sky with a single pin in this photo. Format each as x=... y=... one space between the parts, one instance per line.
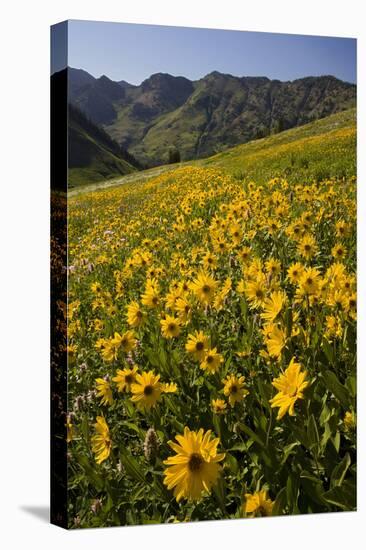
x=134 y=52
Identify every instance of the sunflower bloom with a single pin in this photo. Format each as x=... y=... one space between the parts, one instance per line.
x=273 y=305
x=290 y=386
x=234 y=389
x=170 y=387
x=349 y=421
x=104 y=391
x=204 y=287
x=135 y=315
x=307 y=247
x=309 y=281
x=273 y=267
x=127 y=341
x=170 y=327
x=194 y=468
x=258 y=504
x=276 y=341
x=150 y=298
x=255 y=292
x=209 y=261
x=218 y=406
x=338 y=251
x=146 y=391
x=197 y=345
x=211 y=361
x=101 y=441
x=183 y=309
x=125 y=378
x=109 y=348
x=294 y=272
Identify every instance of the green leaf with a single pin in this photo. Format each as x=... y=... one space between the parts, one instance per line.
x=312 y=486
x=312 y=433
x=84 y=427
x=328 y=350
x=280 y=502
x=265 y=391
x=292 y=492
x=135 y=428
x=219 y=492
x=231 y=463
x=339 y=391
x=343 y=497
x=340 y=471
x=301 y=435
x=326 y=435
x=336 y=440
x=351 y=385
x=251 y=434
x=288 y=450
x=95 y=479
x=152 y=357
x=133 y=469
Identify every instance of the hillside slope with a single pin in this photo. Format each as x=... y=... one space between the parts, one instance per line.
x=203 y=117
x=93 y=155
x=321 y=149
x=318 y=150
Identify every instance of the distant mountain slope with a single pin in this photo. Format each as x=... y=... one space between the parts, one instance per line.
x=93 y=155
x=206 y=116
x=315 y=151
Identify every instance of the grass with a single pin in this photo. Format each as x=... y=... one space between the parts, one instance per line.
x=317 y=150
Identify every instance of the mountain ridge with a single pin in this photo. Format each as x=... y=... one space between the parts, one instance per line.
x=205 y=116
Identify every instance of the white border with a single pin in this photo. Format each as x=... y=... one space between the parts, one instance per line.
x=24 y=270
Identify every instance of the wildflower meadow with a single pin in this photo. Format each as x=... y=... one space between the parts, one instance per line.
x=211 y=349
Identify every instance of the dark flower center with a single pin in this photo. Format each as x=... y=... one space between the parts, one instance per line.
x=199 y=346
x=209 y=359
x=148 y=390
x=206 y=289
x=234 y=389
x=129 y=378
x=195 y=462
x=171 y=327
